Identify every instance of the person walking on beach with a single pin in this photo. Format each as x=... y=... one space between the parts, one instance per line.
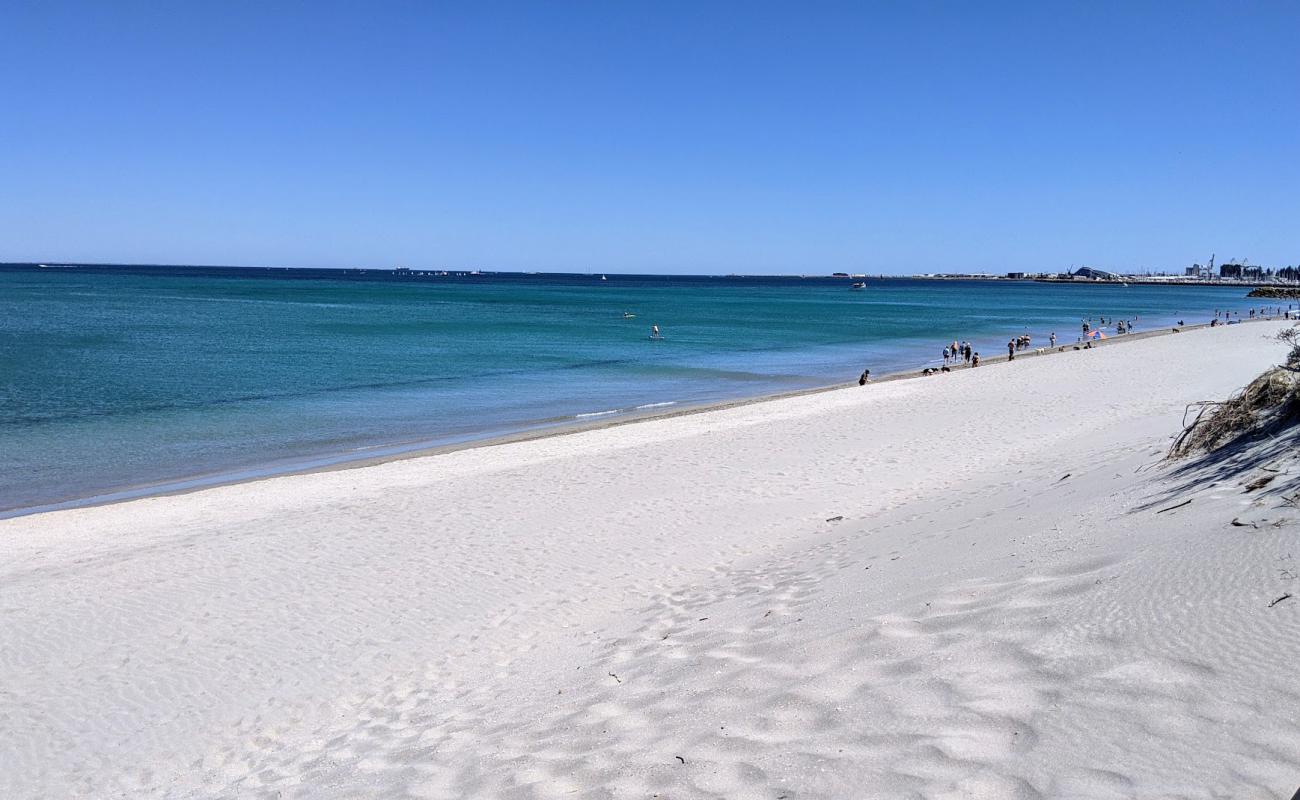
x=966 y=352
x=946 y=355
x=975 y=360
x=1011 y=349
x=1052 y=338
x=866 y=376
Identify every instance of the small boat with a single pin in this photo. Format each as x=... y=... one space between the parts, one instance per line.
x=859 y=286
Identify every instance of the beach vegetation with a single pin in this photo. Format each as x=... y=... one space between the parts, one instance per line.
x=1266 y=406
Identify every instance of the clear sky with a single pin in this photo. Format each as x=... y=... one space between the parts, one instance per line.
x=699 y=137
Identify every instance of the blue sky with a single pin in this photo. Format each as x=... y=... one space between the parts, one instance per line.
x=700 y=137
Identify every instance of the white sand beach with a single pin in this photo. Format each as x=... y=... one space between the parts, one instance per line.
x=961 y=586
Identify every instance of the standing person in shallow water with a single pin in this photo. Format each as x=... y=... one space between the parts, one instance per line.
x=1011 y=349
x=1052 y=338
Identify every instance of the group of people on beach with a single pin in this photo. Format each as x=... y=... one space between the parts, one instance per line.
x=1222 y=317
x=961 y=352
x=1263 y=312
x=954 y=354
x=1121 y=326
x=958 y=352
x=1017 y=344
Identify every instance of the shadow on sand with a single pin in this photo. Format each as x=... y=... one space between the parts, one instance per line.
x=1248 y=460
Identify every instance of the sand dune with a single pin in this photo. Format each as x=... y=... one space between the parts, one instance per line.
x=880 y=592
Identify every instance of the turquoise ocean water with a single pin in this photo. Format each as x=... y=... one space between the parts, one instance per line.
x=118 y=380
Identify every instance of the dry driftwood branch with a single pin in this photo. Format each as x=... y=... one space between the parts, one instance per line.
x=1260 y=483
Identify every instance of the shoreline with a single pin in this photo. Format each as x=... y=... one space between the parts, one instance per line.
x=541 y=430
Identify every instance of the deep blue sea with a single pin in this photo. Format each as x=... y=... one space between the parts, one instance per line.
x=121 y=379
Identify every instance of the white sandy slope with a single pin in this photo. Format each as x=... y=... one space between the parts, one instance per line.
x=663 y=609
